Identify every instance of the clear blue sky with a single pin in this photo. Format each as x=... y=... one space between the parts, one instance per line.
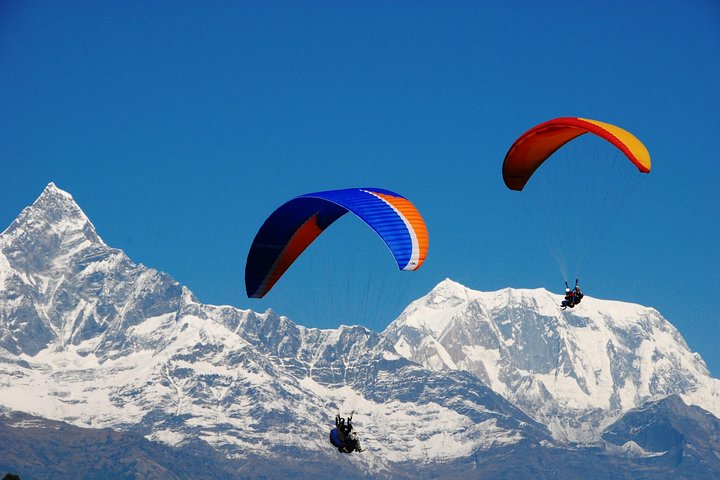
x=179 y=126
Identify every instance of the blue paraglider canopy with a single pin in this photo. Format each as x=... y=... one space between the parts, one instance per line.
x=290 y=229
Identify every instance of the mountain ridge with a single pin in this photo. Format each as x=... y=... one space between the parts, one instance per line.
x=91 y=338
x=601 y=355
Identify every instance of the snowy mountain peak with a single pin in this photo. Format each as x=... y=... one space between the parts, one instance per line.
x=558 y=365
x=52 y=190
x=53 y=219
x=60 y=284
x=434 y=312
x=55 y=200
x=446 y=292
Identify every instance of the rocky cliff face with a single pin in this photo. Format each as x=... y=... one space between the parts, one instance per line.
x=61 y=285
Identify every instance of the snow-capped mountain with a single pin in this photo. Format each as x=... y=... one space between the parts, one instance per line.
x=61 y=285
x=575 y=371
x=91 y=338
x=461 y=381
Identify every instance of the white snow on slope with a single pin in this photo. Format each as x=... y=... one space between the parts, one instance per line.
x=93 y=339
x=575 y=370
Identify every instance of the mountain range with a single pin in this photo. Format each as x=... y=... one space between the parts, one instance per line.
x=98 y=350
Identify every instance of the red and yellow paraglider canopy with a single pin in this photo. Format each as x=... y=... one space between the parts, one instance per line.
x=540 y=142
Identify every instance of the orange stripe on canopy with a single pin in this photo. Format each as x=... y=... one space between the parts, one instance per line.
x=418 y=230
x=540 y=142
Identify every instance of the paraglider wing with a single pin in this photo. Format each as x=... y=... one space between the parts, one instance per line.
x=537 y=144
x=296 y=224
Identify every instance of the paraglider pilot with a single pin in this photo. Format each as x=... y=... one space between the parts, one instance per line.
x=569 y=299
x=572 y=297
x=343 y=437
x=578 y=293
